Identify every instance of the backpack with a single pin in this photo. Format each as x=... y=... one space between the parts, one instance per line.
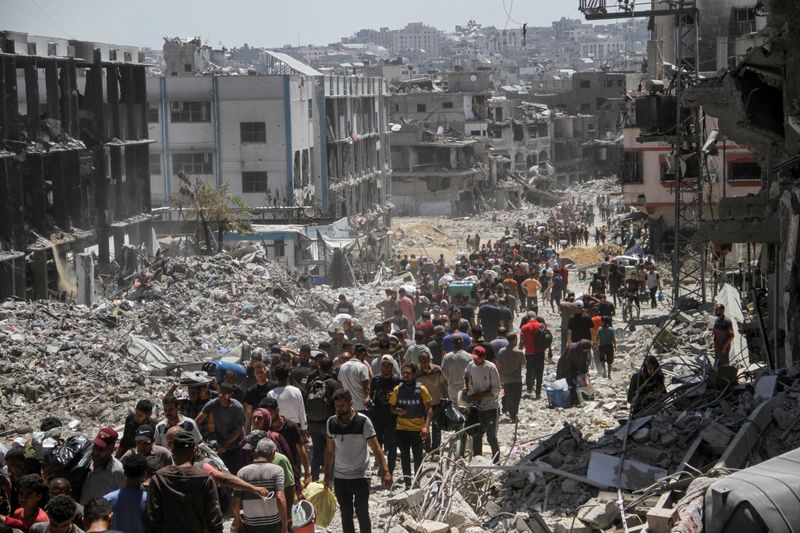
x=544 y=339
x=320 y=404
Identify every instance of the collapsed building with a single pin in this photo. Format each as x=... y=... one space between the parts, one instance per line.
x=74 y=153
x=302 y=149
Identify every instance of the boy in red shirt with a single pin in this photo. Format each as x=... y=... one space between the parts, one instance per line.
x=32 y=491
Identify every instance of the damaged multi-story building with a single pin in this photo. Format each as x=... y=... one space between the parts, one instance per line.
x=739 y=162
x=74 y=152
x=456 y=144
x=296 y=145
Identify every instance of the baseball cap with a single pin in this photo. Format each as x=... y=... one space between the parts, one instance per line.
x=106 y=437
x=145 y=433
x=478 y=352
x=439 y=329
x=387 y=359
x=183 y=441
x=269 y=403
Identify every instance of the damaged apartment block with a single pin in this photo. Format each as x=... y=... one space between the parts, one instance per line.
x=74 y=175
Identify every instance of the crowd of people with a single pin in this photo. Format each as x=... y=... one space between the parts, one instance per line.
x=245 y=440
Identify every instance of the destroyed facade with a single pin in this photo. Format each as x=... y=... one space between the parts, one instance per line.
x=74 y=149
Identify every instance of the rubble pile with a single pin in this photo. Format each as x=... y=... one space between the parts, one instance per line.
x=705 y=427
x=90 y=364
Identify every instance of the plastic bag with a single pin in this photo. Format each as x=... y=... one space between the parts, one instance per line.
x=324 y=503
x=449 y=417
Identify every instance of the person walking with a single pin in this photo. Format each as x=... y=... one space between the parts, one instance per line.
x=510 y=362
x=482 y=386
x=347 y=464
x=182 y=497
x=411 y=402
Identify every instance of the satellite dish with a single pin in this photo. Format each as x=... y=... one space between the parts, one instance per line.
x=309 y=211
x=473 y=77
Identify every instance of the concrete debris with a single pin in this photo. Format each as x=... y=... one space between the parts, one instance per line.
x=176 y=314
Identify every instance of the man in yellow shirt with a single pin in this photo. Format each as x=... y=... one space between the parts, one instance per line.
x=411 y=402
x=532 y=286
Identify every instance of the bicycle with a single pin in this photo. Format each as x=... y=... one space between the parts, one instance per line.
x=628 y=303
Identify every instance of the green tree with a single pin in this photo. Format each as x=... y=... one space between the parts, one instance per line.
x=212 y=209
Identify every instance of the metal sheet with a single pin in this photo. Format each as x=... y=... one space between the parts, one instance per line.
x=635 y=475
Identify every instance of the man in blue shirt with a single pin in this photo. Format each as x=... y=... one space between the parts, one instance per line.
x=129 y=502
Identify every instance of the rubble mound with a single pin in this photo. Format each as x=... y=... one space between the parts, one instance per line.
x=89 y=365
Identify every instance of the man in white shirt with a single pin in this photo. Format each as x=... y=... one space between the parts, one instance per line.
x=454 y=364
x=354 y=377
x=482 y=387
x=289 y=397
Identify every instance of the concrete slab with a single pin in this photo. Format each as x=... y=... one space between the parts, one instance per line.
x=603 y=470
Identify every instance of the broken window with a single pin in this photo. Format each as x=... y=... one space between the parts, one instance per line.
x=187 y=67
x=155 y=164
x=190 y=111
x=422 y=108
x=280 y=248
x=254 y=182
x=519 y=132
x=253 y=132
x=586 y=84
x=192 y=163
x=748 y=171
x=152 y=113
x=447 y=105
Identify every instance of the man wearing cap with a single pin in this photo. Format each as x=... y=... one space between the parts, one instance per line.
x=183 y=497
x=145 y=436
x=227 y=419
x=106 y=474
x=435 y=344
x=580 y=325
x=261 y=515
x=482 y=386
x=454 y=364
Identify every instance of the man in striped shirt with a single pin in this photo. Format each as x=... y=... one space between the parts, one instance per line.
x=261 y=515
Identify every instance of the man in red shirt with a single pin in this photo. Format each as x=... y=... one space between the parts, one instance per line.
x=534 y=355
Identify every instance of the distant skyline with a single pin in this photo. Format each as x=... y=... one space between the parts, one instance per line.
x=261 y=23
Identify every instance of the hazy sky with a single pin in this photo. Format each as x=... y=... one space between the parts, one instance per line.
x=266 y=23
